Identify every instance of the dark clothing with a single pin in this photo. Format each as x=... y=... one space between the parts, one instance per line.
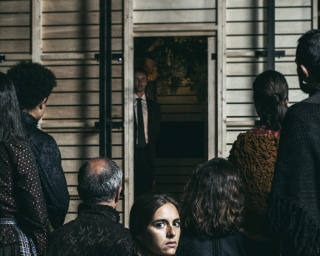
x=145 y=159
x=144 y=173
x=237 y=244
x=48 y=160
x=21 y=195
x=294 y=202
x=254 y=154
x=96 y=231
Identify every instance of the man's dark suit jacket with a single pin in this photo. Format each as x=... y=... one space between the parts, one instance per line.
x=154 y=123
x=48 y=160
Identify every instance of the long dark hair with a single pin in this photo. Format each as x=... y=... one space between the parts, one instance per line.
x=213 y=200
x=142 y=212
x=270 y=93
x=10 y=119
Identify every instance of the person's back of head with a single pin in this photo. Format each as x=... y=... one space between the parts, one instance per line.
x=213 y=200
x=10 y=120
x=100 y=181
x=308 y=52
x=33 y=83
x=270 y=94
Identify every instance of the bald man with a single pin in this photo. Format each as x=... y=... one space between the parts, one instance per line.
x=97 y=230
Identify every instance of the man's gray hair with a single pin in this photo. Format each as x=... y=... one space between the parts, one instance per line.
x=102 y=185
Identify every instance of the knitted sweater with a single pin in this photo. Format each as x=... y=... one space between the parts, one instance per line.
x=254 y=155
x=294 y=202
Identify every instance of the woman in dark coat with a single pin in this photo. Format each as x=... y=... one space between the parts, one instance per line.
x=212 y=213
x=22 y=205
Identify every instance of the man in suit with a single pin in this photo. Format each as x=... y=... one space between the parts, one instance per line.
x=147 y=123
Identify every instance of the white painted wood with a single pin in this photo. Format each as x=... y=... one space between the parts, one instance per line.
x=221 y=78
x=249 y=69
x=315 y=14
x=212 y=87
x=249 y=42
x=246 y=96
x=259 y=14
x=128 y=110
x=36 y=30
x=173 y=27
x=172 y=4
x=263 y=3
x=245 y=82
x=178 y=16
x=260 y=27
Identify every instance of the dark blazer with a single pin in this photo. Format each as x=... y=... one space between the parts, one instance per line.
x=48 y=161
x=154 y=123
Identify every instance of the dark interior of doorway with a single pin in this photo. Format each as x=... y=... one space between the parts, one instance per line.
x=177 y=79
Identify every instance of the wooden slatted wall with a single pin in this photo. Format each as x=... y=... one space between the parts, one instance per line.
x=70 y=40
x=247 y=32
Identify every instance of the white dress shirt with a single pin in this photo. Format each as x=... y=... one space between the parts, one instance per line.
x=144 y=113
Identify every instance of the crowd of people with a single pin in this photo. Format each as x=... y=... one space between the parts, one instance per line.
x=264 y=199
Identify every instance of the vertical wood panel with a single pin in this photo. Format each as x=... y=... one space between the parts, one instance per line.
x=36 y=30
x=128 y=110
x=221 y=73
x=211 y=99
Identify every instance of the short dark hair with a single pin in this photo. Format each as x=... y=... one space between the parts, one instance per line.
x=140 y=70
x=270 y=93
x=213 y=201
x=33 y=83
x=10 y=119
x=143 y=210
x=308 y=52
x=95 y=188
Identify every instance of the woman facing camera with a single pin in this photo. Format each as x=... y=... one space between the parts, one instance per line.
x=254 y=153
x=212 y=213
x=155 y=225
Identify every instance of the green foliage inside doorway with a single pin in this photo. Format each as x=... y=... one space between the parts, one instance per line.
x=174 y=61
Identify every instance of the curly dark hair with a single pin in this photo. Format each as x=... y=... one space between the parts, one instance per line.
x=33 y=83
x=214 y=199
x=270 y=93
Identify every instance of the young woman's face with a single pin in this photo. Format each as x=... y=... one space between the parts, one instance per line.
x=163 y=232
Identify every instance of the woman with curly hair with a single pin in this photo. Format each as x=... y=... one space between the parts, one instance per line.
x=254 y=153
x=212 y=213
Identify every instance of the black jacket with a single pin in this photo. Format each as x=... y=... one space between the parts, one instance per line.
x=154 y=123
x=96 y=231
x=48 y=161
x=237 y=244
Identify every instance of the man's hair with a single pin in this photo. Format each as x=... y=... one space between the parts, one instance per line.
x=213 y=200
x=33 y=83
x=308 y=52
x=140 y=70
x=102 y=187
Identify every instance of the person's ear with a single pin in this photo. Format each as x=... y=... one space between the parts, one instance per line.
x=304 y=70
x=43 y=103
x=117 y=198
x=287 y=101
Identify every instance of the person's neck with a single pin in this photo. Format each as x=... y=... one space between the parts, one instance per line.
x=111 y=204
x=139 y=94
x=32 y=113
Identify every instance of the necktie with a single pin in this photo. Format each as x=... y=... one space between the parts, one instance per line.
x=141 y=135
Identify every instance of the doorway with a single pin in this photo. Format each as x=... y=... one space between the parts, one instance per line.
x=179 y=70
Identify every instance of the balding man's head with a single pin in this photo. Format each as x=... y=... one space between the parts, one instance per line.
x=99 y=179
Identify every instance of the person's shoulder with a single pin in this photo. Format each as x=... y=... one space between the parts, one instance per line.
x=152 y=102
x=17 y=144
